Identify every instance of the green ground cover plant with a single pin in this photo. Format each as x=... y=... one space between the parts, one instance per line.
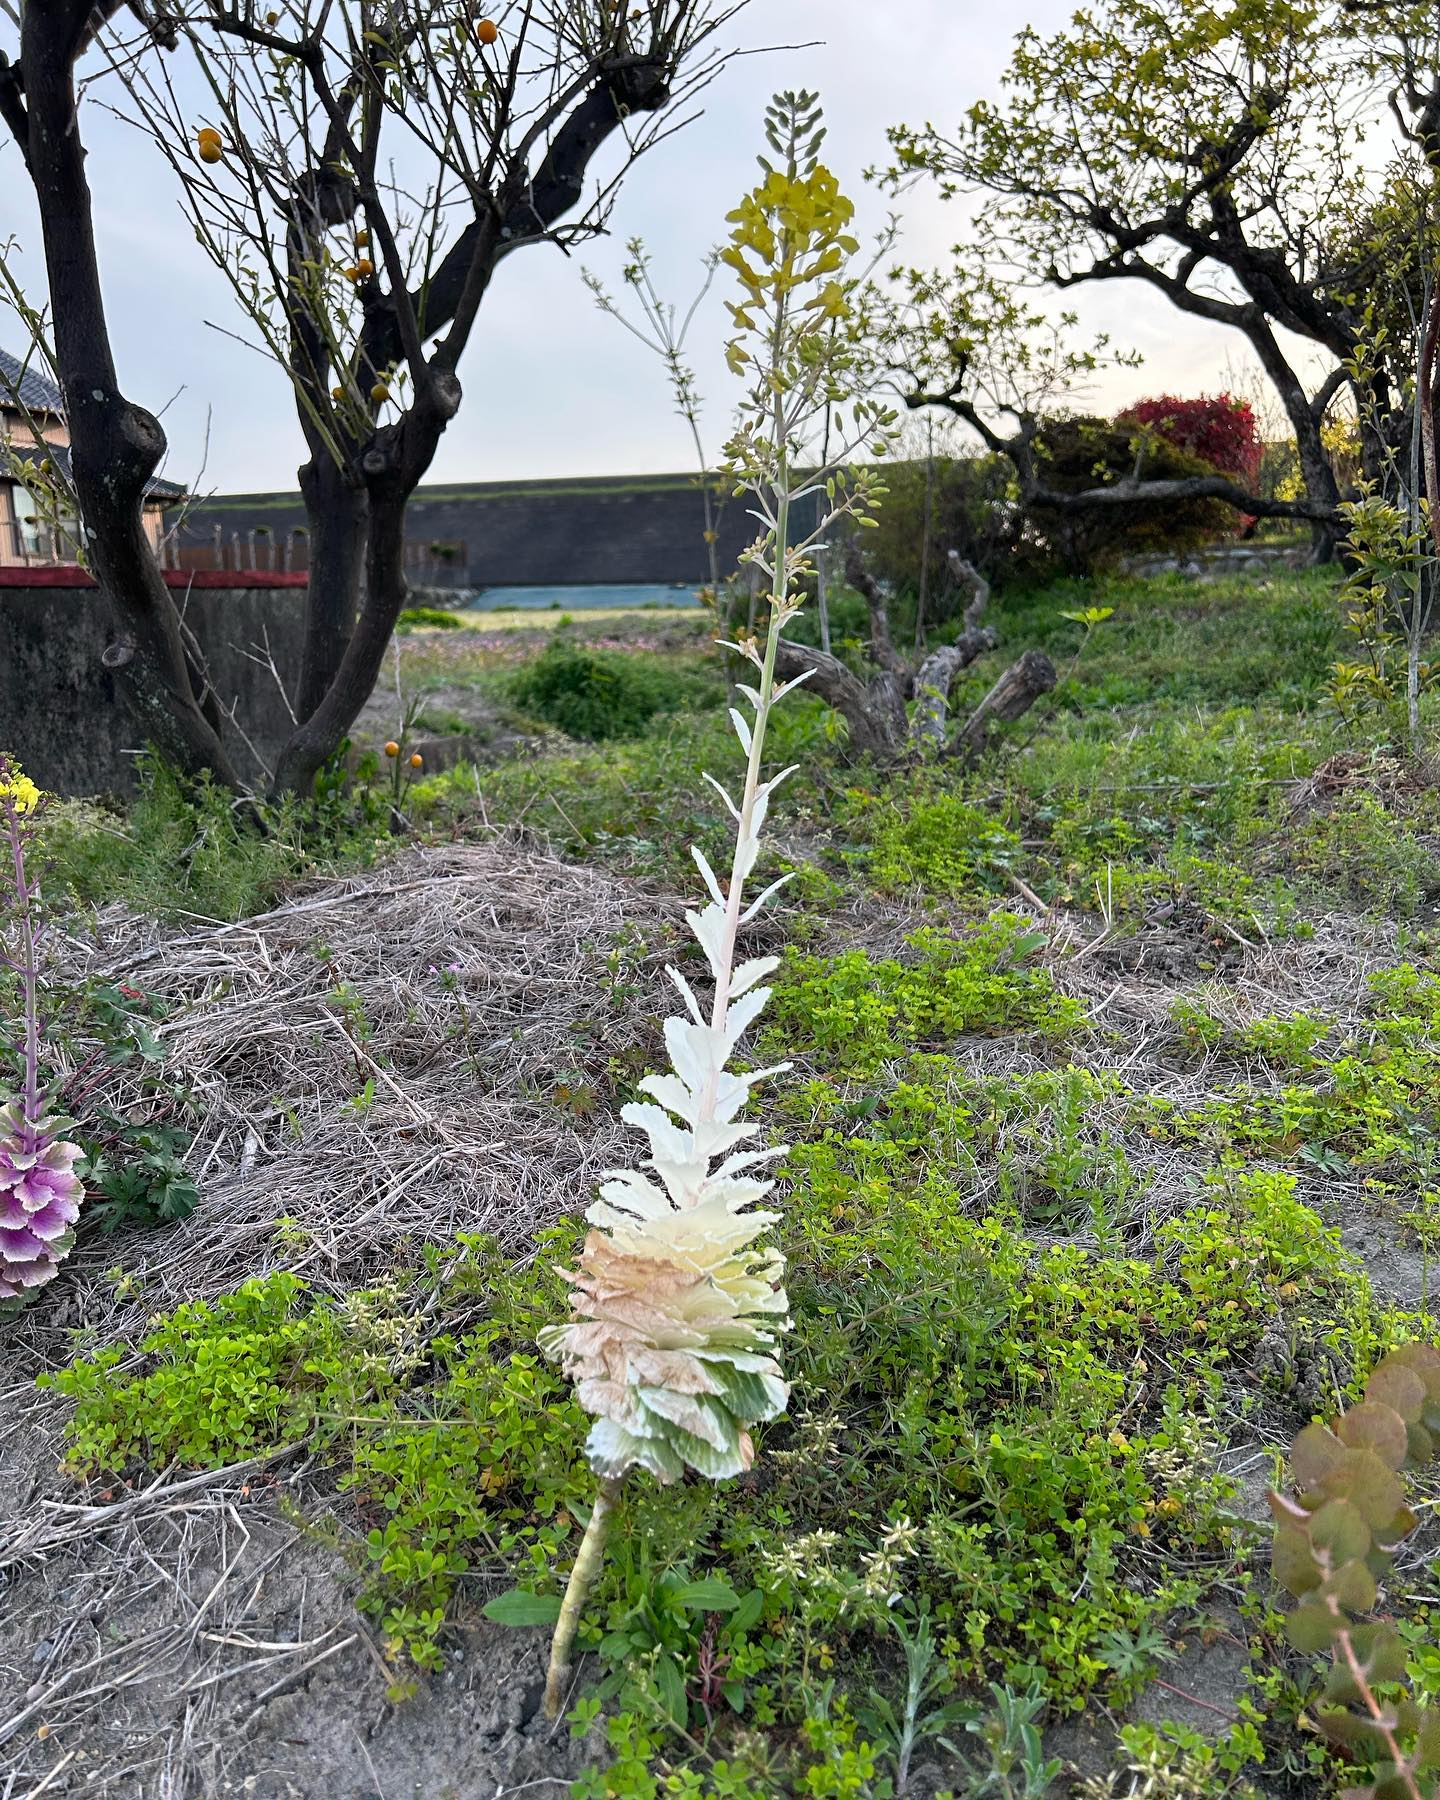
x=1034 y=1296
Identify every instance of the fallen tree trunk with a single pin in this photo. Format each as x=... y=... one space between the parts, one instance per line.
x=874 y=710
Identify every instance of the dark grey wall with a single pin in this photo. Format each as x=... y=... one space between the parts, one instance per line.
x=640 y=530
x=61 y=712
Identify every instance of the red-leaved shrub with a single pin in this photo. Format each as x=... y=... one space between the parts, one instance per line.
x=1214 y=426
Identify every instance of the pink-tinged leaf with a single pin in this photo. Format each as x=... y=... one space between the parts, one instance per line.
x=1351 y=1586
x=1293 y=1563
x=1376 y=1428
x=1379 y=1651
x=1427 y=1740
x=1370 y=1484
x=1316 y=1453
x=1311 y=1628
x=1400 y=1389
x=1340 y=1528
x=1287 y=1511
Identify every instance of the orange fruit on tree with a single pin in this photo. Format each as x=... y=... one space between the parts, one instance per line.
x=392 y=748
x=417 y=761
x=363 y=268
x=362 y=240
x=337 y=393
x=487 y=31
x=379 y=393
x=210 y=151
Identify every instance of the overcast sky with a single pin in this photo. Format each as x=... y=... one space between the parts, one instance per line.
x=552 y=387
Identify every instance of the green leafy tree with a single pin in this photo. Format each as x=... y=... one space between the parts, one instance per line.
x=1211 y=153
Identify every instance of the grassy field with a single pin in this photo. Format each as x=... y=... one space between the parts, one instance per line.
x=1114 y=1160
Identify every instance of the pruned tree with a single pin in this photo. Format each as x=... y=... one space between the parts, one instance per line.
x=875 y=704
x=362 y=169
x=1210 y=153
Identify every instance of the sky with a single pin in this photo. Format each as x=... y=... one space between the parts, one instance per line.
x=552 y=386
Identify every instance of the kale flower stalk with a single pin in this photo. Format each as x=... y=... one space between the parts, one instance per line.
x=40 y=1193
x=676 y=1304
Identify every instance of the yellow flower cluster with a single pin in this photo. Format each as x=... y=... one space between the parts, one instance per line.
x=18 y=791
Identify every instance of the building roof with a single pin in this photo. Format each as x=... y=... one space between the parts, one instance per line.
x=27 y=386
x=155 y=489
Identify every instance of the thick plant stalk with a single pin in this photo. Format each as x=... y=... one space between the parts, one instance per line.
x=676 y=1303
x=577 y=1592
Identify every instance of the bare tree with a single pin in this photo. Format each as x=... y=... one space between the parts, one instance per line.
x=968 y=343
x=362 y=169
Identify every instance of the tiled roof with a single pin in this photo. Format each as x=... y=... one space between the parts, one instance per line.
x=155 y=488
x=36 y=391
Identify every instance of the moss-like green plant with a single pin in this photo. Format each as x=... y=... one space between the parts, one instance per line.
x=672 y=1346
x=1334 y=1541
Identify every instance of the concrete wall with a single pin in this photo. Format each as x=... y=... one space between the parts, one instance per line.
x=638 y=529
x=62 y=712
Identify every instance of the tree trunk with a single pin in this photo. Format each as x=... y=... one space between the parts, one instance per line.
x=882 y=645
x=337 y=510
x=320 y=734
x=115 y=446
x=1013 y=694
x=1315 y=466
x=938 y=671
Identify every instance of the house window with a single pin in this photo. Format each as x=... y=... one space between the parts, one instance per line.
x=41 y=535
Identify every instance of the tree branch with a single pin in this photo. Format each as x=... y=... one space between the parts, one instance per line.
x=874 y=711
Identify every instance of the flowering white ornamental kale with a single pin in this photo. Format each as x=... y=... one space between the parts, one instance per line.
x=676 y=1305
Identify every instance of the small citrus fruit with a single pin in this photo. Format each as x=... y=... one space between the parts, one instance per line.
x=364 y=267
x=379 y=393
x=487 y=31
x=337 y=393
x=207 y=134
x=353 y=272
x=210 y=153
x=272 y=18
x=417 y=761
x=362 y=240
x=392 y=748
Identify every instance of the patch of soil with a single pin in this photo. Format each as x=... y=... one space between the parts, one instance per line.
x=206 y=1647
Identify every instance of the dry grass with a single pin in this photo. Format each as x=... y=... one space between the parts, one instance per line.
x=375 y=1061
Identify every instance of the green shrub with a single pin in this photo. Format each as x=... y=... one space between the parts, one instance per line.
x=594 y=694
x=414 y=617
x=1362 y=853
x=852 y=1014
x=187 y=848
x=480 y=1456
x=1080 y=453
